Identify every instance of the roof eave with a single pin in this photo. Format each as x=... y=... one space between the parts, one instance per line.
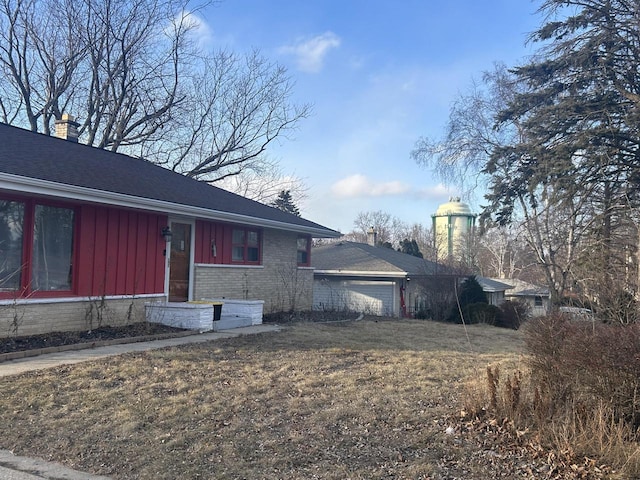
x=22 y=184
x=361 y=273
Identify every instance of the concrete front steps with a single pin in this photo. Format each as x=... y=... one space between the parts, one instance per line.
x=207 y=314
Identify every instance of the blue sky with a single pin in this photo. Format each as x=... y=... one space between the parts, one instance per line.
x=379 y=74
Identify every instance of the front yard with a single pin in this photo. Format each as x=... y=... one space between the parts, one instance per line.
x=361 y=400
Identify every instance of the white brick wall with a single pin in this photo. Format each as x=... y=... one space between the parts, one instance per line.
x=32 y=317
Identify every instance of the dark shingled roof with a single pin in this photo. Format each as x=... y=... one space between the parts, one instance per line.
x=360 y=257
x=43 y=157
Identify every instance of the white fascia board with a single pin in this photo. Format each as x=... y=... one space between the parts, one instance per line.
x=73 y=192
x=360 y=273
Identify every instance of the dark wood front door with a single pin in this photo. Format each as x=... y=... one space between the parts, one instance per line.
x=179 y=262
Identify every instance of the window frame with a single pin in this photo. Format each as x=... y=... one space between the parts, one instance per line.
x=7 y=291
x=306 y=251
x=247 y=245
x=25 y=289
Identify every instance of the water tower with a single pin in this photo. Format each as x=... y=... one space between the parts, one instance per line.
x=453 y=225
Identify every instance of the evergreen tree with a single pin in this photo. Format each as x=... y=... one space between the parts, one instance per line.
x=285 y=203
x=579 y=111
x=471 y=298
x=410 y=247
x=471 y=292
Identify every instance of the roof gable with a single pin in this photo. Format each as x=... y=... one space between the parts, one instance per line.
x=50 y=160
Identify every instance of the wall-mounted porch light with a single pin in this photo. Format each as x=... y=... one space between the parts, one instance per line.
x=166 y=234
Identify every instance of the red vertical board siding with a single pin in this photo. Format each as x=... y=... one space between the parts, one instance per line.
x=221 y=244
x=99 y=280
x=204 y=236
x=131 y=285
x=206 y=233
x=119 y=252
x=141 y=252
x=225 y=251
x=86 y=251
x=198 y=256
x=151 y=264
x=158 y=258
x=123 y=243
x=112 y=251
x=152 y=254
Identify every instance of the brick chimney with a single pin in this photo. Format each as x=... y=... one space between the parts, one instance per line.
x=372 y=237
x=67 y=128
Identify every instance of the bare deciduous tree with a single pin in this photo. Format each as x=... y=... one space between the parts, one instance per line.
x=381 y=222
x=264 y=182
x=137 y=79
x=500 y=251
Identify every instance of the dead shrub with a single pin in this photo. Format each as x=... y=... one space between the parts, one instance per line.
x=579 y=393
x=513 y=314
x=584 y=363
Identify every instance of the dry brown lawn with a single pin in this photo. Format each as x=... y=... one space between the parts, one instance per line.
x=357 y=400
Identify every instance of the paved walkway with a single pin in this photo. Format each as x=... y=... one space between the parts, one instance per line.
x=13 y=467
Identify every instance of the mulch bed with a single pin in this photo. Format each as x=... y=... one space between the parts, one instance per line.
x=141 y=331
x=59 y=339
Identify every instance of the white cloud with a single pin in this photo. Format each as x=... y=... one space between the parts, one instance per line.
x=361 y=186
x=310 y=53
x=437 y=192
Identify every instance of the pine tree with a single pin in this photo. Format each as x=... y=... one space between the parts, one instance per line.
x=578 y=114
x=410 y=247
x=285 y=203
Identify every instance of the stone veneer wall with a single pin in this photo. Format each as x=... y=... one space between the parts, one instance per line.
x=56 y=315
x=278 y=281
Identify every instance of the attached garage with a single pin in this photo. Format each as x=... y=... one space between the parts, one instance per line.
x=368 y=279
x=369 y=297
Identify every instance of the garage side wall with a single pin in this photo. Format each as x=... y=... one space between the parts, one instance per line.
x=279 y=282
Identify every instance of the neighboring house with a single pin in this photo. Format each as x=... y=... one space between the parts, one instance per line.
x=88 y=236
x=373 y=280
x=537 y=298
x=494 y=289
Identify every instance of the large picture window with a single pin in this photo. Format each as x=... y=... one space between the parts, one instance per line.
x=36 y=247
x=245 y=246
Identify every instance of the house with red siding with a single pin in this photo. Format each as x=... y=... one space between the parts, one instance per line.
x=89 y=236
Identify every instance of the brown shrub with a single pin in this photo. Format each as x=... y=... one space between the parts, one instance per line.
x=586 y=363
x=580 y=393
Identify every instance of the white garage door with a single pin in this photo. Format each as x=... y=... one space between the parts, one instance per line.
x=371 y=298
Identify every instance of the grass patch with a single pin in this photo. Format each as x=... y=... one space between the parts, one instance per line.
x=361 y=400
